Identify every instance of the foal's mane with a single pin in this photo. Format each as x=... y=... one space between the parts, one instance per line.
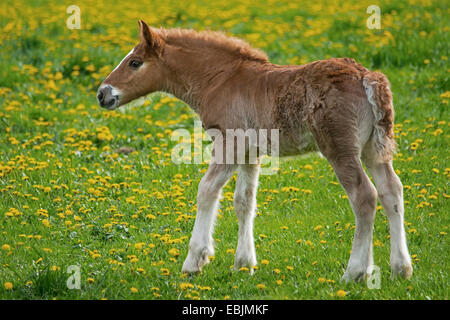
x=212 y=39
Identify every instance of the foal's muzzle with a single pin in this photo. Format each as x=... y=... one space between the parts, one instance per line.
x=106 y=99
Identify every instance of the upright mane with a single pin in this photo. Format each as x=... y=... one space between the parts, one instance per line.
x=212 y=39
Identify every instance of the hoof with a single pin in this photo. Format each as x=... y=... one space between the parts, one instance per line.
x=354 y=276
x=194 y=264
x=247 y=262
x=404 y=271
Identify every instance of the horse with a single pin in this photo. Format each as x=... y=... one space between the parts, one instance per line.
x=334 y=106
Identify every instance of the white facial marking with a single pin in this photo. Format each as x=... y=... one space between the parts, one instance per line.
x=116 y=92
x=132 y=50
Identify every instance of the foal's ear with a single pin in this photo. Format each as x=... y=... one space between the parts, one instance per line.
x=149 y=37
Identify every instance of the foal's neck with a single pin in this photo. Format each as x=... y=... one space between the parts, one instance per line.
x=194 y=72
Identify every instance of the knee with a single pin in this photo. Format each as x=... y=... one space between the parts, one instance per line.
x=207 y=192
x=363 y=197
x=244 y=201
x=367 y=199
x=391 y=190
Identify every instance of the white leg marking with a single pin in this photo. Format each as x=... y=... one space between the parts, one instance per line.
x=363 y=199
x=201 y=243
x=245 y=206
x=390 y=191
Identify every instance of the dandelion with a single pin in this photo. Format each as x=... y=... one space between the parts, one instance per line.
x=141 y=270
x=138 y=246
x=341 y=293
x=134 y=290
x=6 y=247
x=261 y=286
x=174 y=252
x=205 y=288
x=186 y=285
x=8 y=285
x=165 y=271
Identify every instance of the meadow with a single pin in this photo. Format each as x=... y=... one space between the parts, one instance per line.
x=81 y=186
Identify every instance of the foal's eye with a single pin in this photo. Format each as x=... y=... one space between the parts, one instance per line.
x=135 y=64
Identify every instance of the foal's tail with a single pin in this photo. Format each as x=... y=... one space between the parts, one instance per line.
x=379 y=95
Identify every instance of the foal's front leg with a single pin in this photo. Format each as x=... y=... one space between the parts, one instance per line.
x=201 y=244
x=245 y=205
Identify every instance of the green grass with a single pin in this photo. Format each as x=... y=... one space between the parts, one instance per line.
x=56 y=155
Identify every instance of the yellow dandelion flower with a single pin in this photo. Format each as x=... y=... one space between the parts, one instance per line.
x=186 y=285
x=174 y=252
x=341 y=293
x=165 y=271
x=141 y=270
x=138 y=246
x=261 y=286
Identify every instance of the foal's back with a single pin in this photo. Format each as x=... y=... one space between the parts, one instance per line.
x=322 y=100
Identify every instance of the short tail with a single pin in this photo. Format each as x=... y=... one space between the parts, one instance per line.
x=379 y=95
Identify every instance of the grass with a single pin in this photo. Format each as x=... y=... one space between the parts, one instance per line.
x=68 y=198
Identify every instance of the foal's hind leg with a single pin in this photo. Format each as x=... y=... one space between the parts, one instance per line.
x=363 y=197
x=390 y=192
x=201 y=243
x=245 y=205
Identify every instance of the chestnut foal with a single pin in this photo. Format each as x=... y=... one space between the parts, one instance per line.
x=336 y=106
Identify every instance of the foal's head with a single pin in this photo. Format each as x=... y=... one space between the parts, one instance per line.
x=138 y=74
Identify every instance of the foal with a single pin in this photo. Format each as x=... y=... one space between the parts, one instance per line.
x=335 y=105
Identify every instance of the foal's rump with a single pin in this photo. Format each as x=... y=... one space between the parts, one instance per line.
x=379 y=95
x=348 y=108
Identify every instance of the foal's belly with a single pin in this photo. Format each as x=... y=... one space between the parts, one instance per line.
x=296 y=144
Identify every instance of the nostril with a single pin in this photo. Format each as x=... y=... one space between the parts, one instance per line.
x=100 y=96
